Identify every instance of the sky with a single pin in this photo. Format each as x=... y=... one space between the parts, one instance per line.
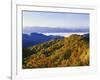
x=55 y=19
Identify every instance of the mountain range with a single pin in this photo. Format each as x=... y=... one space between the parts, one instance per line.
x=37 y=38
x=37 y=29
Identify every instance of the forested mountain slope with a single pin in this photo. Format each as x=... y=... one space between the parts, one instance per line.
x=70 y=51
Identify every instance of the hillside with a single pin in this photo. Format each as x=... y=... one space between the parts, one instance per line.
x=70 y=51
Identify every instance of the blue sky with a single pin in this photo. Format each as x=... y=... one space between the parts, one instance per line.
x=51 y=19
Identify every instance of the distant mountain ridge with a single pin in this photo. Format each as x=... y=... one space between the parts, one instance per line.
x=28 y=30
x=86 y=35
x=37 y=38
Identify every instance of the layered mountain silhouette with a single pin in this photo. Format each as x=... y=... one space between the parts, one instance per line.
x=37 y=38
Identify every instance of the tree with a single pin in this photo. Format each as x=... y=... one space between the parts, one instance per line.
x=67 y=54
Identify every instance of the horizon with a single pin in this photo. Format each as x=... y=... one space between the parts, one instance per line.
x=29 y=30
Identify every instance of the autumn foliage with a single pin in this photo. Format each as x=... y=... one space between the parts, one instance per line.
x=67 y=52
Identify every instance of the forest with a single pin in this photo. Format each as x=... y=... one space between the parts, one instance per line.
x=70 y=51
